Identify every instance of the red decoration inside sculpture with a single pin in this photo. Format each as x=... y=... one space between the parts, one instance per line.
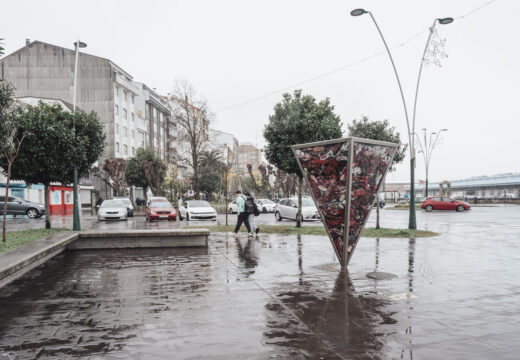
x=326 y=169
x=327 y=175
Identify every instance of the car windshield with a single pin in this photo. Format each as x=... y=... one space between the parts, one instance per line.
x=125 y=201
x=160 y=204
x=112 y=204
x=198 y=203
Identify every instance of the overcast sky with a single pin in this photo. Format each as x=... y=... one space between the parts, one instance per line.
x=237 y=51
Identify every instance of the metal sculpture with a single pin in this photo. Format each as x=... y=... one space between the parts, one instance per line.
x=344 y=174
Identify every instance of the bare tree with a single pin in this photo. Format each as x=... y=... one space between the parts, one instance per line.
x=11 y=146
x=192 y=115
x=115 y=167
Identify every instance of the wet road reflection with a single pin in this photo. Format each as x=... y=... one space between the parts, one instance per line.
x=454 y=296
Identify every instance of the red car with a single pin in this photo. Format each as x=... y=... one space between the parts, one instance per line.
x=444 y=203
x=160 y=210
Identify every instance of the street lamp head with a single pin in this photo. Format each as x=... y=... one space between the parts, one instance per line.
x=444 y=129
x=80 y=44
x=424 y=129
x=358 y=12
x=445 y=21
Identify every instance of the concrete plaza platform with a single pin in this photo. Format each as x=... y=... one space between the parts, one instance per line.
x=17 y=262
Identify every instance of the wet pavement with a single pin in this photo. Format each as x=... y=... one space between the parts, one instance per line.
x=454 y=296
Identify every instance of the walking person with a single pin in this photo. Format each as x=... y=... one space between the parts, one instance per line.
x=252 y=211
x=241 y=212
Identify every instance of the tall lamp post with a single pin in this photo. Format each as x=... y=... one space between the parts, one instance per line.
x=76 y=222
x=427 y=147
x=412 y=222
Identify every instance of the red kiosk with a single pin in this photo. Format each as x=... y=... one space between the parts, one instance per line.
x=61 y=200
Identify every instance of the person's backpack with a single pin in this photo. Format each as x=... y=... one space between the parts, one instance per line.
x=257 y=211
x=250 y=206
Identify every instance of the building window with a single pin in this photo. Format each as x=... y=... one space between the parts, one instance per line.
x=125 y=131
x=125 y=96
x=117 y=91
x=117 y=129
x=132 y=99
x=132 y=117
x=133 y=134
x=126 y=149
x=125 y=114
x=117 y=110
x=117 y=147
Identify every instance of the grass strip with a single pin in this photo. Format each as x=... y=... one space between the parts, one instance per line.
x=319 y=230
x=15 y=239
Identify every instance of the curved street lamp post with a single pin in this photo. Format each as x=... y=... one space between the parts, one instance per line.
x=412 y=222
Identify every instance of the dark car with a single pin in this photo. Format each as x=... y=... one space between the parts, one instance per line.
x=160 y=210
x=18 y=206
x=444 y=203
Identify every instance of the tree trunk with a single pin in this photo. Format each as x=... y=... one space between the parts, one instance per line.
x=9 y=164
x=47 y=211
x=299 y=213
x=377 y=213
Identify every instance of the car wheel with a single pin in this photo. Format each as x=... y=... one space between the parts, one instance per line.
x=180 y=217
x=264 y=210
x=277 y=216
x=187 y=216
x=428 y=208
x=32 y=213
x=460 y=208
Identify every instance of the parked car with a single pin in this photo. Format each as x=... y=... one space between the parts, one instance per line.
x=265 y=205
x=233 y=207
x=112 y=210
x=128 y=203
x=288 y=208
x=276 y=200
x=160 y=210
x=197 y=210
x=444 y=203
x=18 y=206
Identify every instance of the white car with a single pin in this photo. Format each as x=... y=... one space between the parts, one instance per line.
x=112 y=210
x=265 y=205
x=197 y=210
x=288 y=208
x=128 y=203
x=233 y=207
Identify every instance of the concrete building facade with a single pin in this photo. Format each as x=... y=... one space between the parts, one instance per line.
x=249 y=154
x=227 y=144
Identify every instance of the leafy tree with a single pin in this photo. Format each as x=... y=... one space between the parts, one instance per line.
x=11 y=138
x=52 y=145
x=145 y=170
x=298 y=119
x=209 y=181
x=211 y=171
x=382 y=131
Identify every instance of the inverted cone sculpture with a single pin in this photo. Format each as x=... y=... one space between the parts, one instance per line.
x=344 y=174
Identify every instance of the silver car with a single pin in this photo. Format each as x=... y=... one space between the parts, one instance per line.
x=128 y=203
x=288 y=208
x=112 y=210
x=18 y=206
